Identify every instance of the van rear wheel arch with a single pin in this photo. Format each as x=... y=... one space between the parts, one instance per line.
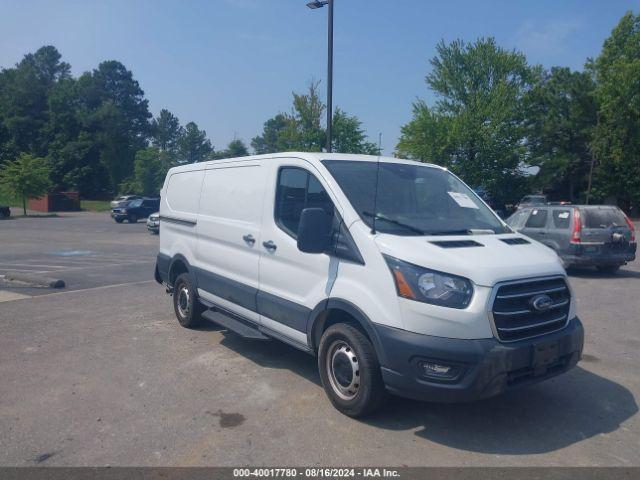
x=179 y=265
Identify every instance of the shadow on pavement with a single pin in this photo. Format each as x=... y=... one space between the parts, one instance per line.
x=586 y=272
x=539 y=419
x=274 y=354
x=542 y=418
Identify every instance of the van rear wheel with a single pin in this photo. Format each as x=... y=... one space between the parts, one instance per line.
x=350 y=371
x=185 y=302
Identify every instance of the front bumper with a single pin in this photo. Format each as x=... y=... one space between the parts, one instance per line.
x=487 y=367
x=153 y=226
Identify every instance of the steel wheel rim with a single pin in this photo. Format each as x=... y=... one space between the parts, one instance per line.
x=343 y=370
x=183 y=301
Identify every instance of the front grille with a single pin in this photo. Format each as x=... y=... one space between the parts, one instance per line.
x=514 y=315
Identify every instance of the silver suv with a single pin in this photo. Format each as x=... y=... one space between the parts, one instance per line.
x=588 y=235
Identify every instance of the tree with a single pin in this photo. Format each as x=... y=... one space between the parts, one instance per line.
x=305 y=132
x=24 y=93
x=25 y=177
x=302 y=130
x=115 y=113
x=477 y=117
x=616 y=138
x=166 y=131
x=349 y=136
x=272 y=132
x=148 y=171
x=193 y=144
x=560 y=117
x=426 y=137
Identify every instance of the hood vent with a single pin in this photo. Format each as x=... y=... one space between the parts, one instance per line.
x=457 y=243
x=515 y=241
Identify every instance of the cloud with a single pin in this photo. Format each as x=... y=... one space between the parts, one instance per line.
x=548 y=38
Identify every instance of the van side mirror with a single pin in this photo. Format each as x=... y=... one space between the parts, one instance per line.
x=314 y=230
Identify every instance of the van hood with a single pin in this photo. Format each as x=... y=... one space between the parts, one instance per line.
x=494 y=261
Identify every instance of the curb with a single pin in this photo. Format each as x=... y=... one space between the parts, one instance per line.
x=36 y=280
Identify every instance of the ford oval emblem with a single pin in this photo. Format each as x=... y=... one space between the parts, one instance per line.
x=541 y=302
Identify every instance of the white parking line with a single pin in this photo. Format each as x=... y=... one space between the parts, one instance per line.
x=35 y=265
x=102 y=287
x=6 y=296
x=66 y=268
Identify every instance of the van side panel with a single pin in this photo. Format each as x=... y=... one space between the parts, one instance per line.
x=179 y=212
x=229 y=223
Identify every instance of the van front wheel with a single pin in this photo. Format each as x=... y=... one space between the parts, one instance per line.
x=350 y=371
x=185 y=302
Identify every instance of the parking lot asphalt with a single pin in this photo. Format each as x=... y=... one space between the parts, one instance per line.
x=100 y=373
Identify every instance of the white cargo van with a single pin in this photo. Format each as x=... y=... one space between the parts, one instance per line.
x=393 y=273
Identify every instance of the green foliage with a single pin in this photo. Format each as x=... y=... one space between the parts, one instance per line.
x=25 y=177
x=475 y=127
x=302 y=129
x=150 y=169
x=272 y=133
x=90 y=128
x=115 y=113
x=348 y=135
x=236 y=148
x=166 y=131
x=24 y=92
x=616 y=138
x=95 y=205
x=193 y=145
x=560 y=118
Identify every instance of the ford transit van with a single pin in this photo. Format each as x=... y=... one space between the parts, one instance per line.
x=393 y=273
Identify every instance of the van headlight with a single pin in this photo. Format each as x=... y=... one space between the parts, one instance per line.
x=430 y=286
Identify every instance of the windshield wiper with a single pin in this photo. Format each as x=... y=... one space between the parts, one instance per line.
x=395 y=222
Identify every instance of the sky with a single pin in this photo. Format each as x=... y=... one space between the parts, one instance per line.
x=229 y=65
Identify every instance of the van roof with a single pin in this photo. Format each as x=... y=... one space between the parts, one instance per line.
x=313 y=157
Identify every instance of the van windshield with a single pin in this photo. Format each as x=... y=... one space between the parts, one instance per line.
x=413 y=199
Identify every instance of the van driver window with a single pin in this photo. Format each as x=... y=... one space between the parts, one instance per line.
x=297 y=190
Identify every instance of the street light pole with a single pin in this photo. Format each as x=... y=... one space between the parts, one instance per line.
x=330 y=76
x=319 y=4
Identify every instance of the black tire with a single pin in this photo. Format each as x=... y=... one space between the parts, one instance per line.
x=133 y=218
x=608 y=269
x=356 y=391
x=119 y=220
x=185 y=302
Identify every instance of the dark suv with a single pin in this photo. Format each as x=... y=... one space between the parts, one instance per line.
x=600 y=236
x=134 y=210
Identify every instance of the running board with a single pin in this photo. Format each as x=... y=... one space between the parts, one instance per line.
x=244 y=329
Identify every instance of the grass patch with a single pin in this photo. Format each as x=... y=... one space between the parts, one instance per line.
x=10 y=201
x=95 y=205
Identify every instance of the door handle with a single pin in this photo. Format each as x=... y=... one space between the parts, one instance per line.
x=249 y=239
x=270 y=245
